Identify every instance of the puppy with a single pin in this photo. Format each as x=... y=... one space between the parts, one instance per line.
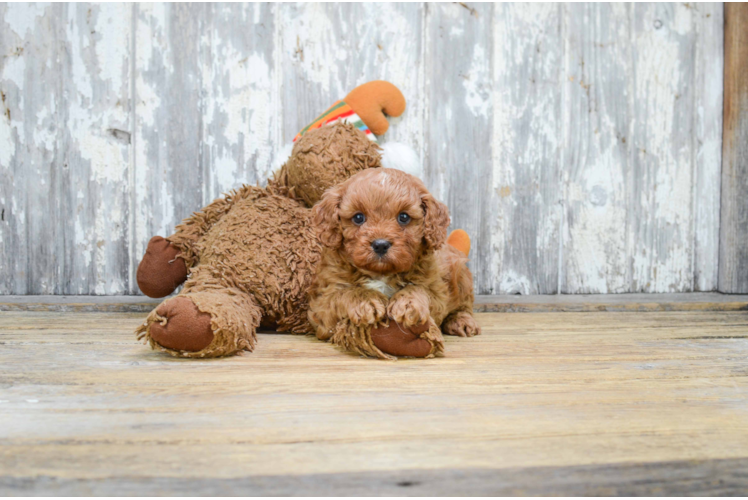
x=384 y=260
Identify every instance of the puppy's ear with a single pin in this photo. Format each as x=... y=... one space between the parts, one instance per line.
x=326 y=218
x=435 y=221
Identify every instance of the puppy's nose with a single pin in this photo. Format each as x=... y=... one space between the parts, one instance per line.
x=380 y=247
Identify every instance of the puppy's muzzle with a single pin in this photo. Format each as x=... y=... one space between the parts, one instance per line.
x=380 y=247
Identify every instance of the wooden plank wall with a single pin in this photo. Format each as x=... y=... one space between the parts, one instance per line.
x=580 y=145
x=733 y=258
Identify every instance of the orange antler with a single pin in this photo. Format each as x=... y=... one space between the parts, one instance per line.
x=372 y=100
x=460 y=240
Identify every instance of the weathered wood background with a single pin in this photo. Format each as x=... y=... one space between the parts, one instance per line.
x=580 y=145
x=733 y=257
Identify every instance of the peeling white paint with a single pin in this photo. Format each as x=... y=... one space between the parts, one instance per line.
x=477 y=84
x=256 y=14
x=597 y=230
x=14 y=69
x=108 y=160
x=22 y=17
x=113 y=48
x=525 y=146
x=308 y=36
x=512 y=283
x=149 y=54
x=83 y=243
x=155 y=215
x=663 y=260
x=238 y=122
x=708 y=76
x=534 y=106
x=398 y=32
x=7 y=144
x=683 y=21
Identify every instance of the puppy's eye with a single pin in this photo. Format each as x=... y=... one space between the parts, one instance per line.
x=403 y=218
x=358 y=219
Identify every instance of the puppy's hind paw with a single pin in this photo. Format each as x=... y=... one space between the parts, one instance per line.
x=462 y=324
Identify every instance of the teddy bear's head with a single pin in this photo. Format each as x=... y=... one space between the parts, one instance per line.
x=327 y=156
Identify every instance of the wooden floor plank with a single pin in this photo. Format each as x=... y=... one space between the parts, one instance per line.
x=680 y=478
x=540 y=403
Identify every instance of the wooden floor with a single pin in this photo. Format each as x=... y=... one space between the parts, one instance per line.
x=542 y=403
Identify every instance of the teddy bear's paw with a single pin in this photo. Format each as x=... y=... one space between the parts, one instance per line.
x=462 y=324
x=409 y=309
x=161 y=271
x=399 y=340
x=183 y=327
x=367 y=312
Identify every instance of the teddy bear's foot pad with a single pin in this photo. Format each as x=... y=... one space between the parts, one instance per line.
x=161 y=271
x=398 y=340
x=184 y=328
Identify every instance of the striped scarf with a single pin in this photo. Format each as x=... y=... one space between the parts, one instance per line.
x=339 y=111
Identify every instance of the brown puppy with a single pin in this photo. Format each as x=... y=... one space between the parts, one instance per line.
x=384 y=261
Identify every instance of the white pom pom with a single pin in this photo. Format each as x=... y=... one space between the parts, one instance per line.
x=282 y=157
x=401 y=157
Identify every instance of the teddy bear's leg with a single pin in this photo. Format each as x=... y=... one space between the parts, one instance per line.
x=391 y=340
x=167 y=260
x=161 y=271
x=204 y=323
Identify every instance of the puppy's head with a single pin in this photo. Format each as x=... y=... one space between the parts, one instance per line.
x=381 y=220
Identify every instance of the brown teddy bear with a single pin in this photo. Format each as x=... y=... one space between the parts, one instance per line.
x=248 y=259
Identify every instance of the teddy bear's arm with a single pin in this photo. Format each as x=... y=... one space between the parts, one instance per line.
x=167 y=261
x=189 y=232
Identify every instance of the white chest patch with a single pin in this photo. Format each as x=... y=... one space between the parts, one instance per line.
x=381 y=287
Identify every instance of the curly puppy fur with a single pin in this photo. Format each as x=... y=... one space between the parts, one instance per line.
x=384 y=259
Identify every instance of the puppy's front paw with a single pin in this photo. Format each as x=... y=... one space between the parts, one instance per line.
x=462 y=324
x=367 y=312
x=409 y=309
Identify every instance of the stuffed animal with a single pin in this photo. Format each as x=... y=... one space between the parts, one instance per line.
x=248 y=259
